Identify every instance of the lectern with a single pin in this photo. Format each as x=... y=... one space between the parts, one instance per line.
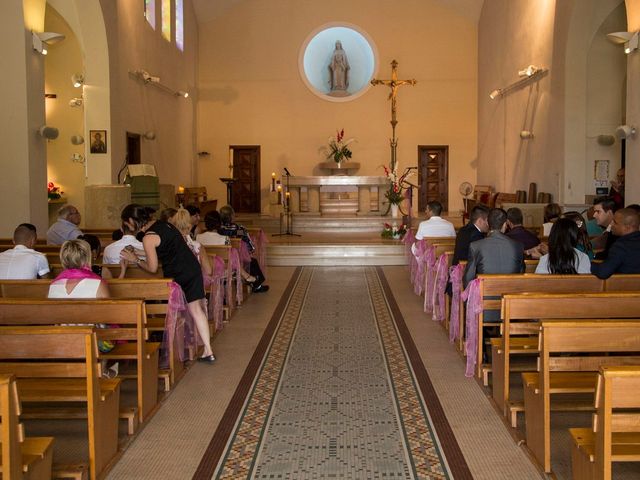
x=229 y=183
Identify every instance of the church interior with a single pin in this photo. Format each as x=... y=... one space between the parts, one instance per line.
x=303 y=115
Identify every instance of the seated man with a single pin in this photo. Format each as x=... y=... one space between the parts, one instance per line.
x=66 y=228
x=603 y=210
x=624 y=256
x=476 y=229
x=231 y=229
x=518 y=233
x=495 y=254
x=194 y=211
x=22 y=262
x=434 y=225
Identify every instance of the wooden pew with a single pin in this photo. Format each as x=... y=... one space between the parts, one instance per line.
x=615 y=434
x=60 y=364
x=154 y=291
x=521 y=315
x=129 y=314
x=133 y=271
x=589 y=344
x=493 y=286
x=21 y=458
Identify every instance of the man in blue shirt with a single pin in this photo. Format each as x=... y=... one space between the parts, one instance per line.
x=66 y=228
x=624 y=255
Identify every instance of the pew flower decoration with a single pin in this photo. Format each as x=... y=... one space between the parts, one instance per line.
x=53 y=191
x=338 y=147
x=393 y=231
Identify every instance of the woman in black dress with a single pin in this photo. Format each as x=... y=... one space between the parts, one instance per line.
x=163 y=243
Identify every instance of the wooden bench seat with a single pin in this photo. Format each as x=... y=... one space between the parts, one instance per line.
x=128 y=314
x=615 y=432
x=20 y=458
x=521 y=314
x=571 y=353
x=60 y=364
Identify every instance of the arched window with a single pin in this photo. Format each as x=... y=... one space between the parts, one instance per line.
x=180 y=25
x=150 y=12
x=166 y=20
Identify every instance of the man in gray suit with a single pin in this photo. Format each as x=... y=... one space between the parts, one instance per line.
x=495 y=254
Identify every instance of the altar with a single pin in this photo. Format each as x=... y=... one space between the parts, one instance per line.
x=337 y=195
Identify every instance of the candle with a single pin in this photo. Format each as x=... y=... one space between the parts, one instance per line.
x=288 y=194
x=230 y=162
x=279 y=188
x=273 y=181
x=273 y=175
x=181 y=189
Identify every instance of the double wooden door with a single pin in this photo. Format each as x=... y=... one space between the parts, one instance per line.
x=246 y=171
x=433 y=176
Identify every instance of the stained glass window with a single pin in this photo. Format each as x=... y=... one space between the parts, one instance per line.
x=180 y=25
x=166 y=20
x=150 y=12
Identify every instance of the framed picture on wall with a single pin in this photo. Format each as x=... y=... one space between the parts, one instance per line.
x=98 y=141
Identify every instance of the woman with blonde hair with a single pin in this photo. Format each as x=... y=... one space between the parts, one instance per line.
x=77 y=280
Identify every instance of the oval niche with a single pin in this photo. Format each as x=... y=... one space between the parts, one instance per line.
x=322 y=62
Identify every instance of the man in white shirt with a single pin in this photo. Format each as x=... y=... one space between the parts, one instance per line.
x=22 y=262
x=66 y=228
x=112 y=251
x=434 y=225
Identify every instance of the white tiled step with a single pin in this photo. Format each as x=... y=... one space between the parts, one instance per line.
x=326 y=254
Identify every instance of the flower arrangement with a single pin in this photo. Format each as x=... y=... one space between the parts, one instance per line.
x=53 y=191
x=395 y=192
x=393 y=231
x=338 y=147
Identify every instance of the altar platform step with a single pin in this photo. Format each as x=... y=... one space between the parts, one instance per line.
x=335 y=223
x=327 y=254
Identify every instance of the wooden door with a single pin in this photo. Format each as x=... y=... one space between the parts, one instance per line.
x=246 y=171
x=133 y=148
x=433 y=175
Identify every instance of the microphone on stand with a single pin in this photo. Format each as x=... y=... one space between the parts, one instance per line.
x=287 y=172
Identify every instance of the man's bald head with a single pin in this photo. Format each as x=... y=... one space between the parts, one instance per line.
x=625 y=221
x=23 y=235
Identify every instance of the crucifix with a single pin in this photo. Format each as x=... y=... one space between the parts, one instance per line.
x=394 y=84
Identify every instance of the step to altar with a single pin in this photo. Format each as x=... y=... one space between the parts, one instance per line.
x=302 y=223
x=324 y=254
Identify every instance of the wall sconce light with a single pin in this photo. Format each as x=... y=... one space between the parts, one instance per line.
x=77 y=158
x=625 y=131
x=50 y=133
x=629 y=39
x=154 y=81
x=77 y=139
x=77 y=79
x=40 y=40
x=75 y=102
x=526 y=135
x=182 y=93
x=606 y=140
x=528 y=74
x=149 y=135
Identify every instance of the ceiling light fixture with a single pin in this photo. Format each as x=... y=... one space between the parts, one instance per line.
x=149 y=79
x=181 y=93
x=625 y=131
x=77 y=79
x=75 y=102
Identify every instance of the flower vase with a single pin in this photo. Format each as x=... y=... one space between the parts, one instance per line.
x=395 y=210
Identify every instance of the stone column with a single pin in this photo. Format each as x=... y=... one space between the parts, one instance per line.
x=364 y=199
x=294 y=199
x=314 y=199
x=382 y=200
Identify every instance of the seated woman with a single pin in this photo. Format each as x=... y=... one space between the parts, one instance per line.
x=231 y=229
x=78 y=281
x=551 y=213
x=211 y=236
x=563 y=256
x=584 y=243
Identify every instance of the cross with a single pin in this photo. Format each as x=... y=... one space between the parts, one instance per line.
x=394 y=84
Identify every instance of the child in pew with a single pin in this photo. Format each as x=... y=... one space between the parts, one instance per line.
x=77 y=280
x=563 y=256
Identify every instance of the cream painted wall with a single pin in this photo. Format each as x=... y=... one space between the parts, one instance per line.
x=508 y=43
x=63 y=60
x=139 y=108
x=251 y=92
x=632 y=170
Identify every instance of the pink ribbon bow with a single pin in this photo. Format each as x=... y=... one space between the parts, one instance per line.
x=442 y=277
x=474 y=307
x=455 y=276
x=179 y=329
x=429 y=277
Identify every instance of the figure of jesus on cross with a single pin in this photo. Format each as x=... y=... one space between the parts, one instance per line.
x=394 y=84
